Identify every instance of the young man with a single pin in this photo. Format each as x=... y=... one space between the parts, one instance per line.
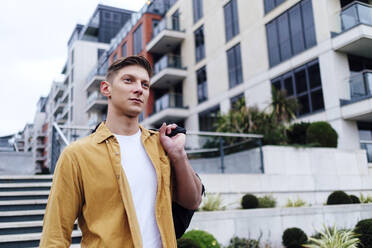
x=121 y=180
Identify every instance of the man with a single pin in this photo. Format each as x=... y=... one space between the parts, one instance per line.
x=121 y=180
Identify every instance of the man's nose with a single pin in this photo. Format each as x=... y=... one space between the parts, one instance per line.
x=138 y=87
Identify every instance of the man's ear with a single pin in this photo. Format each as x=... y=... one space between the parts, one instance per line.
x=105 y=89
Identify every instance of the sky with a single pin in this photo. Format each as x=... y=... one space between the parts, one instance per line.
x=33 y=50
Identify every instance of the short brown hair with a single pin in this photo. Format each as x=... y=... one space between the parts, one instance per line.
x=127 y=61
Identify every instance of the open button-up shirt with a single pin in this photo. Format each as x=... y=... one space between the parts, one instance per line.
x=90 y=185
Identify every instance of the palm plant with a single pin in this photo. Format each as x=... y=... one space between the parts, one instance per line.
x=283 y=108
x=333 y=238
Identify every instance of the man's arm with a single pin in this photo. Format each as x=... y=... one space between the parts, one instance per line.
x=188 y=187
x=64 y=203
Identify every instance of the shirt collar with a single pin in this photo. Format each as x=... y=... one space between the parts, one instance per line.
x=103 y=133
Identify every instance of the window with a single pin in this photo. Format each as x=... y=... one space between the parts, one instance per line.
x=305 y=85
x=201 y=76
x=236 y=99
x=197 y=9
x=72 y=76
x=175 y=21
x=291 y=33
x=72 y=57
x=208 y=118
x=271 y=4
x=114 y=57
x=137 y=40
x=234 y=64
x=231 y=19
x=124 y=50
x=100 y=52
x=199 y=44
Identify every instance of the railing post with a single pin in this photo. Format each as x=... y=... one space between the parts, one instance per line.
x=222 y=155
x=261 y=156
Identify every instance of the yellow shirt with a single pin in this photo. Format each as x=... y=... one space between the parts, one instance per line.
x=89 y=183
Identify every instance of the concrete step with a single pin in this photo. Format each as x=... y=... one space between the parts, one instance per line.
x=24 y=227
x=23 y=205
x=30 y=240
x=24 y=195
x=26 y=178
x=25 y=186
x=17 y=216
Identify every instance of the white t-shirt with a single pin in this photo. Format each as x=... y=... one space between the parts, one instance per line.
x=142 y=180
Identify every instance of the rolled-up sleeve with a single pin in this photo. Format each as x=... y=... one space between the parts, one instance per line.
x=64 y=203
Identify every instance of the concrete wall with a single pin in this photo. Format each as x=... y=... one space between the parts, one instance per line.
x=272 y=222
x=13 y=163
x=311 y=174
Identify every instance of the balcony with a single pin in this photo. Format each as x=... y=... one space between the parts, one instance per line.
x=40 y=157
x=165 y=37
x=367 y=145
x=168 y=108
x=358 y=104
x=60 y=89
x=94 y=79
x=352 y=30
x=168 y=71
x=96 y=101
x=59 y=106
x=41 y=134
x=40 y=145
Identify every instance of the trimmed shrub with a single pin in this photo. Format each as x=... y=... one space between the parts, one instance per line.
x=294 y=238
x=322 y=134
x=267 y=201
x=202 y=238
x=249 y=201
x=297 y=133
x=243 y=243
x=187 y=243
x=338 y=197
x=354 y=199
x=364 y=229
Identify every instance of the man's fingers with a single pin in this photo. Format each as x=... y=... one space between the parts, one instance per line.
x=163 y=129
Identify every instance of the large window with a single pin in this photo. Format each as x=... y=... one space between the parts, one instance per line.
x=271 y=4
x=197 y=9
x=208 y=118
x=235 y=99
x=124 y=50
x=199 y=44
x=305 y=85
x=234 y=63
x=231 y=19
x=137 y=40
x=201 y=76
x=291 y=33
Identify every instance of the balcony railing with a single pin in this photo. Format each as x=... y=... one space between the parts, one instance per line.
x=168 y=61
x=352 y=15
x=96 y=72
x=168 y=101
x=361 y=85
x=367 y=145
x=95 y=96
x=163 y=24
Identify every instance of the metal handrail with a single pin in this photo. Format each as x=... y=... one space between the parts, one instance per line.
x=59 y=131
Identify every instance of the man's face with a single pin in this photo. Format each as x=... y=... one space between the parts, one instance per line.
x=130 y=89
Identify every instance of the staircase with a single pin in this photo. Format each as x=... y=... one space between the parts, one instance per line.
x=22 y=205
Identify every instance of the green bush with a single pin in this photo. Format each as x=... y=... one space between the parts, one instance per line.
x=267 y=201
x=338 y=197
x=364 y=229
x=294 y=238
x=202 y=238
x=354 y=199
x=297 y=133
x=187 y=243
x=249 y=201
x=321 y=133
x=295 y=203
x=365 y=199
x=243 y=243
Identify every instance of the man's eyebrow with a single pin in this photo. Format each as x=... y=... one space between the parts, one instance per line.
x=133 y=76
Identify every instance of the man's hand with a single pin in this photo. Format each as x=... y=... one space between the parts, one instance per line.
x=188 y=187
x=174 y=146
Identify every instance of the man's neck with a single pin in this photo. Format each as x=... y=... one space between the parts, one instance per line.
x=122 y=125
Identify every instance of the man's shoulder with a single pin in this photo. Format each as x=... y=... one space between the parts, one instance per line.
x=82 y=144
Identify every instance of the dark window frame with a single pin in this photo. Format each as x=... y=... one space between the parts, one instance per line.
x=199 y=42
x=137 y=40
x=234 y=66
x=281 y=48
x=202 y=84
x=207 y=120
x=124 y=50
x=197 y=10
x=308 y=92
x=269 y=5
x=231 y=17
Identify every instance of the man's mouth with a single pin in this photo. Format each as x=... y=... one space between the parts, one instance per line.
x=136 y=100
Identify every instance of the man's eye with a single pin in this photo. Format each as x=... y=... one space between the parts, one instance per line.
x=127 y=80
x=146 y=85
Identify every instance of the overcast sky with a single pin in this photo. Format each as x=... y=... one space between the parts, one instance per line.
x=33 y=50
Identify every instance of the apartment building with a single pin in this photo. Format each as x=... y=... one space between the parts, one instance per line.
x=39 y=135
x=207 y=54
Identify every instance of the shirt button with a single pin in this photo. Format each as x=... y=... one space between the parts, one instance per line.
x=117 y=176
x=116 y=153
